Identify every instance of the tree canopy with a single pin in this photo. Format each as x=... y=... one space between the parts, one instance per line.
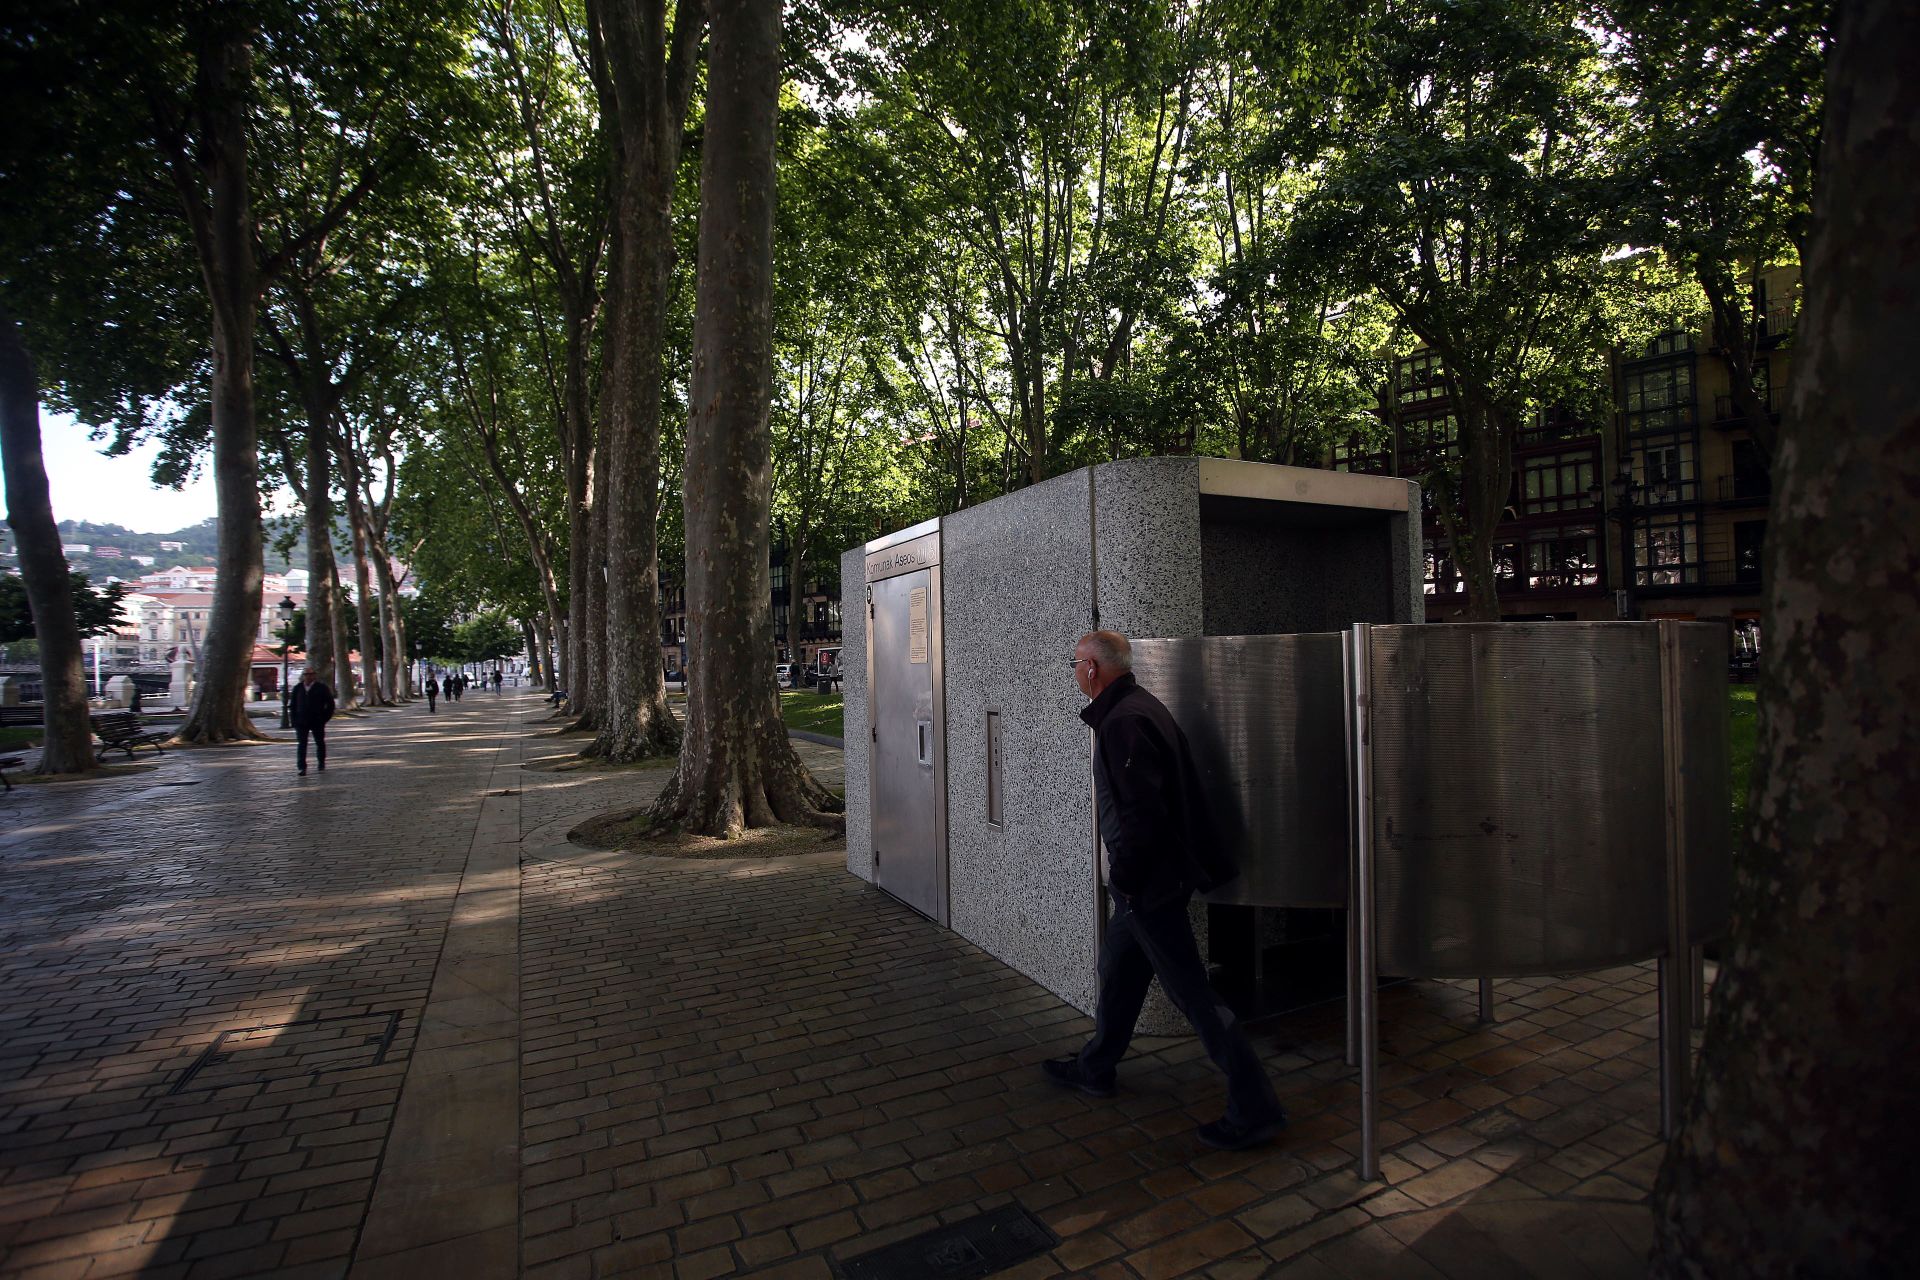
x=98 y=611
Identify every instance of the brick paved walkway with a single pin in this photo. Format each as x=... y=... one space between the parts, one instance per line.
x=388 y=1021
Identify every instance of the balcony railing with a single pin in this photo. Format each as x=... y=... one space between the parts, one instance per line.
x=1745 y=486
x=1702 y=573
x=1727 y=413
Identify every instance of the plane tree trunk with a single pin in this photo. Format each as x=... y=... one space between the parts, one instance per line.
x=343 y=667
x=318 y=500
x=1792 y=1160
x=737 y=768
x=67 y=738
x=362 y=576
x=393 y=641
x=649 y=104
x=220 y=214
x=585 y=703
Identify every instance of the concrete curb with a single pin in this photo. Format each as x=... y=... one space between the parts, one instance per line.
x=820 y=738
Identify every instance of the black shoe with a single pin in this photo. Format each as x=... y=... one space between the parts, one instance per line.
x=303 y=773
x=323 y=768
x=1067 y=1073
x=1226 y=1135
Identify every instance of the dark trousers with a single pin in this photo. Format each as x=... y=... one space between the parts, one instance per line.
x=319 y=733
x=430 y=698
x=1157 y=941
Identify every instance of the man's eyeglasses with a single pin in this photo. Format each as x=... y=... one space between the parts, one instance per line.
x=1075 y=662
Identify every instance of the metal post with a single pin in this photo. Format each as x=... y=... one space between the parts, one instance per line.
x=1361 y=713
x=1486 y=999
x=1353 y=916
x=1675 y=999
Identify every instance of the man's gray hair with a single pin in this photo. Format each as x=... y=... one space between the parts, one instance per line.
x=1110 y=650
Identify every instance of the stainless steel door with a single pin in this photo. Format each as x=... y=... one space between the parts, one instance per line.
x=907 y=741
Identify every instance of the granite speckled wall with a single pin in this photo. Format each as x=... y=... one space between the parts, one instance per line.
x=1018 y=595
x=853 y=666
x=1148 y=518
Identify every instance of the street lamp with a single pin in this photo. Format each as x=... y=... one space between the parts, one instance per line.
x=1622 y=510
x=286 y=609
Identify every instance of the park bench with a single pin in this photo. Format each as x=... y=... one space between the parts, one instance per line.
x=557 y=697
x=29 y=714
x=122 y=731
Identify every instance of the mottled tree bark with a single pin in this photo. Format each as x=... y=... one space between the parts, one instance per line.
x=342 y=686
x=67 y=741
x=649 y=106
x=1733 y=326
x=362 y=574
x=1471 y=514
x=533 y=652
x=1793 y=1159
x=543 y=629
x=318 y=500
x=393 y=688
x=737 y=768
x=593 y=645
x=222 y=223
x=581 y=621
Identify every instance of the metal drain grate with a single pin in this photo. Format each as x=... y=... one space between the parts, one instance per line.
x=290 y=1050
x=964 y=1250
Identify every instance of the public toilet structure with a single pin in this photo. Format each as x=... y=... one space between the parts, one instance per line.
x=1481 y=800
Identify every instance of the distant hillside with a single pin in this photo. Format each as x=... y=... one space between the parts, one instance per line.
x=198 y=544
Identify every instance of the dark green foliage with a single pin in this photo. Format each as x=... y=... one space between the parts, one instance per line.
x=98 y=610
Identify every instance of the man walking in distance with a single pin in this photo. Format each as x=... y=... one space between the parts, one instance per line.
x=1160 y=847
x=309 y=709
x=433 y=691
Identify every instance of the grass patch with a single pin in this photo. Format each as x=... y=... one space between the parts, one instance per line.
x=633 y=831
x=813 y=712
x=19 y=735
x=1743 y=727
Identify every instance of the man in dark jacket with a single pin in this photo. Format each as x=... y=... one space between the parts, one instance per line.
x=309 y=707
x=1159 y=846
x=433 y=691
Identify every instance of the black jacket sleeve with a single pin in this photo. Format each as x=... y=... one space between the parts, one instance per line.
x=1139 y=770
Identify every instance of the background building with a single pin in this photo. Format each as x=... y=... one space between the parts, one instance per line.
x=1660 y=513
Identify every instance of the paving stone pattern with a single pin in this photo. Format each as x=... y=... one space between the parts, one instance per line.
x=621 y=1065
x=222 y=905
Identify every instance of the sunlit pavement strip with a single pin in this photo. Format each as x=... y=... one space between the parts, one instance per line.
x=408 y=1028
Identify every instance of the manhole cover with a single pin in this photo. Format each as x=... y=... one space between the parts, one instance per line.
x=291 y=1050
x=964 y=1250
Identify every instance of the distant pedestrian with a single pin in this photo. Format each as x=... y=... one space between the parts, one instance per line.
x=433 y=691
x=1161 y=845
x=309 y=707
x=453 y=687
x=497 y=679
